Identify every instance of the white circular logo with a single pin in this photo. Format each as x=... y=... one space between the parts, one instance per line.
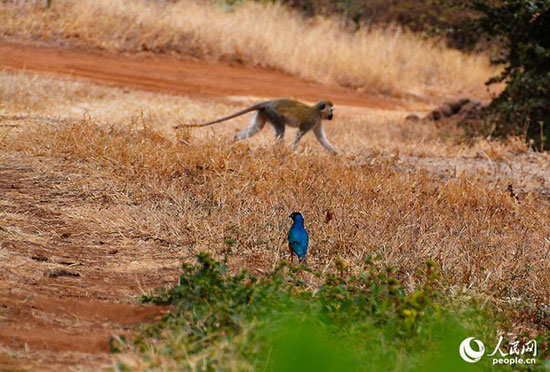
x=468 y=354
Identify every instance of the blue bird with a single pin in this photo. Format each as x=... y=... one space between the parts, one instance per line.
x=298 y=239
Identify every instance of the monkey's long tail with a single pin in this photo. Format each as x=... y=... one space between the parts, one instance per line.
x=242 y=112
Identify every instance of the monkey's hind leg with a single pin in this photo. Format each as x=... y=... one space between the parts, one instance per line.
x=256 y=125
x=277 y=122
x=299 y=135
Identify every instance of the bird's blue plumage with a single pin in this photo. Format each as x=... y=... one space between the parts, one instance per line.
x=298 y=239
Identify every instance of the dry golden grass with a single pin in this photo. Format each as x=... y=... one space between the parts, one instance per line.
x=54 y=97
x=404 y=207
x=386 y=60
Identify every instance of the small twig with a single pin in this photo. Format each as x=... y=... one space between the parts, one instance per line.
x=140 y=287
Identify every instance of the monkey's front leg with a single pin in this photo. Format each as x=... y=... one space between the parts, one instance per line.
x=320 y=134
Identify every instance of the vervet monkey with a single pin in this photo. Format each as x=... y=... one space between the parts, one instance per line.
x=281 y=112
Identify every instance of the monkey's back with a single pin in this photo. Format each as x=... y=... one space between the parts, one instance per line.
x=294 y=112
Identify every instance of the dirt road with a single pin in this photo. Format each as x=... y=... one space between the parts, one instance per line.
x=184 y=76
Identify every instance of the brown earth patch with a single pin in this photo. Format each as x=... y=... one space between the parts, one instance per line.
x=49 y=322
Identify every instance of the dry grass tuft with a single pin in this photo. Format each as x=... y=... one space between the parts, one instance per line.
x=387 y=60
x=27 y=95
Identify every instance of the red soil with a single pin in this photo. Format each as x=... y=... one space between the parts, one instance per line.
x=182 y=76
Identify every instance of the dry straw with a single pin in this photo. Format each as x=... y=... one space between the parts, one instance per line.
x=387 y=60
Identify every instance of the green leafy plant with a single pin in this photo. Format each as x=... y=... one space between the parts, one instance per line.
x=520 y=28
x=284 y=322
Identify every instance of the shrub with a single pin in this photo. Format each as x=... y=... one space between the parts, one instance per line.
x=284 y=322
x=521 y=28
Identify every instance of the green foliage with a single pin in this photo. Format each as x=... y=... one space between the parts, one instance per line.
x=521 y=28
x=281 y=322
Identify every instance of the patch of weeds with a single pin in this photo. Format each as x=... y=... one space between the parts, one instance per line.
x=282 y=322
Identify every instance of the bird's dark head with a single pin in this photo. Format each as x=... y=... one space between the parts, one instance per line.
x=296 y=216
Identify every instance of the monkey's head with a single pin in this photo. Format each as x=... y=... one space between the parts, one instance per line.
x=325 y=108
